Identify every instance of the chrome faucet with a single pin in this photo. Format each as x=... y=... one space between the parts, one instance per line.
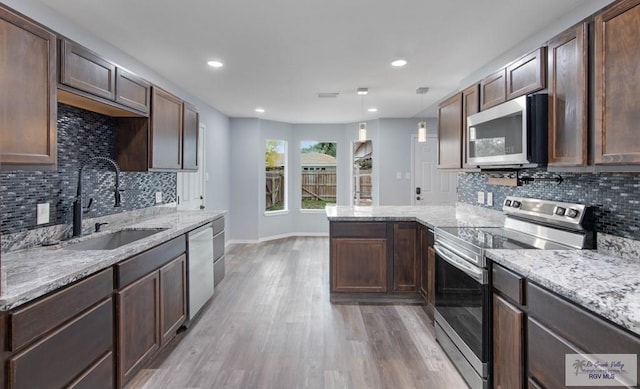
x=77 y=204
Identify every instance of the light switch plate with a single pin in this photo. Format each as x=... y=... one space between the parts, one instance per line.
x=158 y=197
x=42 y=213
x=407 y=175
x=481 y=197
x=399 y=175
x=490 y=199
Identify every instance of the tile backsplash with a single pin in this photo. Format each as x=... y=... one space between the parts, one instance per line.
x=81 y=135
x=615 y=196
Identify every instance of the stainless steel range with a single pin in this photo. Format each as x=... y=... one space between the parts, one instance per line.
x=463 y=288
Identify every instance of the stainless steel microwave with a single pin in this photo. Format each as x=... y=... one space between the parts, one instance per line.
x=510 y=135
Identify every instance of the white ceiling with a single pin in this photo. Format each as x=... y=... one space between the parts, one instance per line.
x=279 y=54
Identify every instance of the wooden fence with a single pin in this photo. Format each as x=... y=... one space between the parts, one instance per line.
x=319 y=185
x=316 y=185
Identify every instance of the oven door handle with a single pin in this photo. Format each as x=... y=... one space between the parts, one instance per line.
x=461 y=264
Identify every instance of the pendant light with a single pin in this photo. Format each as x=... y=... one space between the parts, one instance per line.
x=362 y=127
x=422 y=126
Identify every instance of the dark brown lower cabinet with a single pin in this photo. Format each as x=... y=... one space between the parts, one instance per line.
x=150 y=311
x=508 y=331
x=138 y=326
x=405 y=261
x=427 y=259
x=173 y=297
x=358 y=265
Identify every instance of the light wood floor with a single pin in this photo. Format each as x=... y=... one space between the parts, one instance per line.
x=271 y=325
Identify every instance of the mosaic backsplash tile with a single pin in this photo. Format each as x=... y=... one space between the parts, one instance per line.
x=615 y=196
x=81 y=135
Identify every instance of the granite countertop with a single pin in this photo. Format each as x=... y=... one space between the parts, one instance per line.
x=603 y=284
x=460 y=215
x=31 y=273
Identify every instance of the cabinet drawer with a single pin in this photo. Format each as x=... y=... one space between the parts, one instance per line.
x=36 y=319
x=584 y=329
x=218 y=246
x=56 y=360
x=358 y=230
x=99 y=376
x=546 y=355
x=143 y=264
x=218 y=225
x=508 y=283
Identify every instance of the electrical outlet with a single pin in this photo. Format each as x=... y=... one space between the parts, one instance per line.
x=158 y=197
x=42 y=213
x=481 y=197
x=490 y=199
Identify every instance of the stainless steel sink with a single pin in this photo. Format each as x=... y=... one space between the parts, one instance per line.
x=113 y=240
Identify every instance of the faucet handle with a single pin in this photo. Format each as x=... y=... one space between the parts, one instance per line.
x=88 y=205
x=98 y=225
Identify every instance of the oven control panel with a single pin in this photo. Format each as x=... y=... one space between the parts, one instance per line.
x=553 y=212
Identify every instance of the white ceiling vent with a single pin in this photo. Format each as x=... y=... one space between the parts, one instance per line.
x=328 y=95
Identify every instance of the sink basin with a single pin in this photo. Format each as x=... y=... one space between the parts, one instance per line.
x=113 y=240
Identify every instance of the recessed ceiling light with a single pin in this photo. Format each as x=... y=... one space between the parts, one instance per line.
x=399 y=63
x=373 y=110
x=215 y=64
x=260 y=110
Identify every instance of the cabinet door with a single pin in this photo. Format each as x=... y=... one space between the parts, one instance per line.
x=493 y=89
x=173 y=297
x=617 y=90
x=138 y=307
x=508 y=332
x=132 y=91
x=405 y=260
x=470 y=105
x=450 y=133
x=527 y=74
x=83 y=69
x=568 y=78
x=190 y=138
x=28 y=109
x=358 y=265
x=166 y=131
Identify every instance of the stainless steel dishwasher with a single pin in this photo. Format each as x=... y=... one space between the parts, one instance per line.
x=200 y=257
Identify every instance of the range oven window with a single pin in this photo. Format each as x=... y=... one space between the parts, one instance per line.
x=464 y=303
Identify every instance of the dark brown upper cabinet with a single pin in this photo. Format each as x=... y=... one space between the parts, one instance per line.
x=617 y=90
x=568 y=98
x=82 y=69
x=91 y=82
x=470 y=105
x=165 y=135
x=527 y=74
x=190 y=137
x=523 y=76
x=450 y=133
x=494 y=89
x=28 y=110
x=132 y=91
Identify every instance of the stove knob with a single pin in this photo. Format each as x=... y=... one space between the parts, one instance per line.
x=515 y=204
x=560 y=211
x=507 y=203
x=572 y=213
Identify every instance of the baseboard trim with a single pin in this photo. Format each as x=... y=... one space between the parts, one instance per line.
x=276 y=237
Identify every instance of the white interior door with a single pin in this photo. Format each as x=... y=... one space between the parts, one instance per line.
x=191 y=185
x=437 y=187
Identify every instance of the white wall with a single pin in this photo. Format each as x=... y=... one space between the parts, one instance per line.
x=244 y=186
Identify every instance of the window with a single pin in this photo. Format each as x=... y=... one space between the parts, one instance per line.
x=318 y=166
x=361 y=173
x=275 y=164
